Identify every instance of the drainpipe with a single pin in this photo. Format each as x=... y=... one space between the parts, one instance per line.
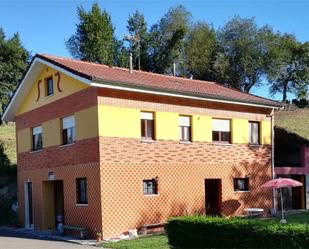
x=273 y=157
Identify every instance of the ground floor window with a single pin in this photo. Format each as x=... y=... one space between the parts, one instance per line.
x=150 y=187
x=81 y=190
x=241 y=184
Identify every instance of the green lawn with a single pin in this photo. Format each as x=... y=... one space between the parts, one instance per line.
x=301 y=218
x=152 y=241
x=7 y=136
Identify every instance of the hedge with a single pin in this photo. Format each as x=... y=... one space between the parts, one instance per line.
x=216 y=232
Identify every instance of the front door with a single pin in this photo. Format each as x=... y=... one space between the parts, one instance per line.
x=213 y=197
x=28 y=205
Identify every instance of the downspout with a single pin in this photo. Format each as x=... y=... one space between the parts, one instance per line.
x=273 y=157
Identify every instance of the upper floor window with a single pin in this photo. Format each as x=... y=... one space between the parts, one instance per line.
x=147 y=125
x=81 y=190
x=49 y=86
x=37 y=138
x=254 y=132
x=68 y=130
x=221 y=130
x=184 y=128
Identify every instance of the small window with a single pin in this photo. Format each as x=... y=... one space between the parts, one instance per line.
x=150 y=187
x=241 y=184
x=49 y=86
x=81 y=190
x=184 y=128
x=254 y=133
x=147 y=125
x=37 y=143
x=221 y=130
x=68 y=130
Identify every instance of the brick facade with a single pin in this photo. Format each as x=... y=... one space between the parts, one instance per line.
x=115 y=167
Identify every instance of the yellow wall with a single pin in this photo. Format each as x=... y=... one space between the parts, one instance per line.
x=201 y=128
x=24 y=140
x=240 y=131
x=119 y=122
x=51 y=133
x=166 y=125
x=86 y=122
x=68 y=86
x=265 y=132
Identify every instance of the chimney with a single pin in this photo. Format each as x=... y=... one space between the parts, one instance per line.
x=191 y=76
x=174 y=69
x=131 y=64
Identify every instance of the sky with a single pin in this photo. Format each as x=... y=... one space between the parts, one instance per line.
x=44 y=26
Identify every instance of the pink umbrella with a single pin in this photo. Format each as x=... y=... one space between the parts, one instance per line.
x=281 y=183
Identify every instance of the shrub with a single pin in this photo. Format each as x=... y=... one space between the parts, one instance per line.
x=215 y=232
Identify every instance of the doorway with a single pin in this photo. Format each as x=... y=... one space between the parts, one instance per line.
x=213 y=197
x=28 y=205
x=298 y=193
x=53 y=204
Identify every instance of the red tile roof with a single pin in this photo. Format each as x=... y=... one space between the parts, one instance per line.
x=151 y=81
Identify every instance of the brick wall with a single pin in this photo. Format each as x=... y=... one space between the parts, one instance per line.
x=181 y=170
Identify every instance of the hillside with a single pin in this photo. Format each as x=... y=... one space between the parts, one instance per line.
x=296 y=121
x=7 y=136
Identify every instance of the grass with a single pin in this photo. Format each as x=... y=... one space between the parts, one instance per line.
x=7 y=136
x=296 y=121
x=159 y=241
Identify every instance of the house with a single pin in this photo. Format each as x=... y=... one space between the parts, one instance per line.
x=292 y=155
x=110 y=150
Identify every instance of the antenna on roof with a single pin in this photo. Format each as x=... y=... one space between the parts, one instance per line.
x=174 y=69
x=131 y=64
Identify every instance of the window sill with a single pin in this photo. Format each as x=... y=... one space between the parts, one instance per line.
x=221 y=144
x=66 y=145
x=185 y=142
x=81 y=205
x=254 y=145
x=150 y=141
x=153 y=195
x=241 y=191
x=48 y=96
x=36 y=151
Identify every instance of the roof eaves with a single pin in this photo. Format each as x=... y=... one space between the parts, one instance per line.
x=188 y=93
x=294 y=134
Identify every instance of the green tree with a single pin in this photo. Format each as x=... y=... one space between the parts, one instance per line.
x=166 y=40
x=288 y=71
x=137 y=28
x=14 y=59
x=94 y=38
x=200 y=50
x=242 y=58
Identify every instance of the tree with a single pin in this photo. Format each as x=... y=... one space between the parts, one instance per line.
x=242 y=58
x=137 y=28
x=94 y=38
x=166 y=40
x=14 y=59
x=200 y=51
x=289 y=67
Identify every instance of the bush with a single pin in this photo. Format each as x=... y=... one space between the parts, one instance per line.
x=215 y=232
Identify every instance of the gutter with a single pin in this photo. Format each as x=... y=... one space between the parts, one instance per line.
x=273 y=158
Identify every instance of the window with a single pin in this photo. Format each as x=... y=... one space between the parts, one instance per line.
x=254 y=132
x=68 y=130
x=37 y=138
x=221 y=130
x=241 y=184
x=81 y=190
x=49 y=87
x=150 y=187
x=184 y=128
x=147 y=125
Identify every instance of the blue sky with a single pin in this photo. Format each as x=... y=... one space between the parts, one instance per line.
x=44 y=26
